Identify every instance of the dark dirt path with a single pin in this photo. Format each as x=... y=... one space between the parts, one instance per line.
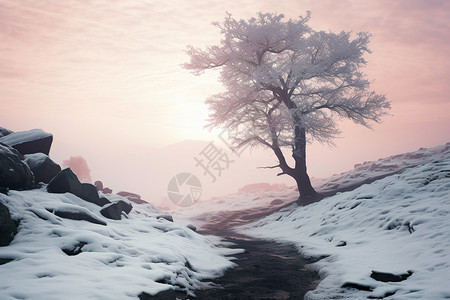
x=266 y=270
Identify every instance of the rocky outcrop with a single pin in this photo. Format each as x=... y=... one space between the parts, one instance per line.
x=8 y=227
x=114 y=210
x=14 y=173
x=132 y=197
x=99 y=185
x=165 y=217
x=101 y=188
x=78 y=214
x=67 y=182
x=43 y=168
x=4 y=132
x=390 y=277
x=29 y=142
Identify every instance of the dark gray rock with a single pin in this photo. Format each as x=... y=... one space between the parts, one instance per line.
x=4 y=132
x=389 y=277
x=341 y=244
x=14 y=173
x=67 y=182
x=43 y=168
x=78 y=215
x=165 y=217
x=8 y=227
x=358 y=286
x=114 y=210
x=4 y=190
x=191 y=227
x=103 y=201
x=75 y=250
x=29 y=142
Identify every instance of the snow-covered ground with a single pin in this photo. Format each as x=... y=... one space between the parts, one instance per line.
x=394 y=225
x=264 y=195
x=143 y=253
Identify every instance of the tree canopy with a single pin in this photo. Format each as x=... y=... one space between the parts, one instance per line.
x=285 y=82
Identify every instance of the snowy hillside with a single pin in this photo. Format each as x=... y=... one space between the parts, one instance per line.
x=265 y=196
x=398 y=225
x=58 y=258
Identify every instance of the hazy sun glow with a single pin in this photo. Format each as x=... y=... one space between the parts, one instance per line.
x=105 y=78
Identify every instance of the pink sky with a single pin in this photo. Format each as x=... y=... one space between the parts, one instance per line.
x=105 y=78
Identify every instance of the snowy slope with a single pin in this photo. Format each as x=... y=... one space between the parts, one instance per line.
x=264 y=196
x=118 y=261
x=393 y=225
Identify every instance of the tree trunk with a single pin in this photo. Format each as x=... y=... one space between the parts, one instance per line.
x=307 y=192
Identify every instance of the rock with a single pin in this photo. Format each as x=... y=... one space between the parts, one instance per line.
x=276 y=202
x=191 y=227
x=107 y=190
x=29 y=142
x=103 y=201
x=14 y=173
x=341 y=244
x=99 y=185
x=132 y=197
x=67 y=182
x=43 y=168
x=101 y=188
x=389 y=277
x=75 y=250
x=166 y=217
x=4 y=132
x=114 y=210
x=358 y=286
x=8 y=227
x=89 y=193
x=79 y=214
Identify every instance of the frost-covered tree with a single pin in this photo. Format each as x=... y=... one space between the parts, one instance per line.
x=285 y=84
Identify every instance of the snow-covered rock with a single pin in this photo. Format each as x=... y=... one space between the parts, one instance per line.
x=43 y=168
x=28 y=142
x=8 y=227
x=54 y=257
x=4 y=132
x=14 y=173
x=67 y=182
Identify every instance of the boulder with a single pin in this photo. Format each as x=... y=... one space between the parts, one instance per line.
x=78 y=214
x=191 y=227
x=4 y=132
x=114 y=210
x=43 y=168
x=165 y=217
x=276 y=202
x=29 y=142
x=99 y=185
x=14 y=173
x=132 y=197
x=103 y=201
x=107 y=190
x=8 y=227
x=67 y=182
x=390 y=277
x=101 y=188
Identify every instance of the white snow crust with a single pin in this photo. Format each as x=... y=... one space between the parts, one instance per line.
x=119 y=261
x=396 y=224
